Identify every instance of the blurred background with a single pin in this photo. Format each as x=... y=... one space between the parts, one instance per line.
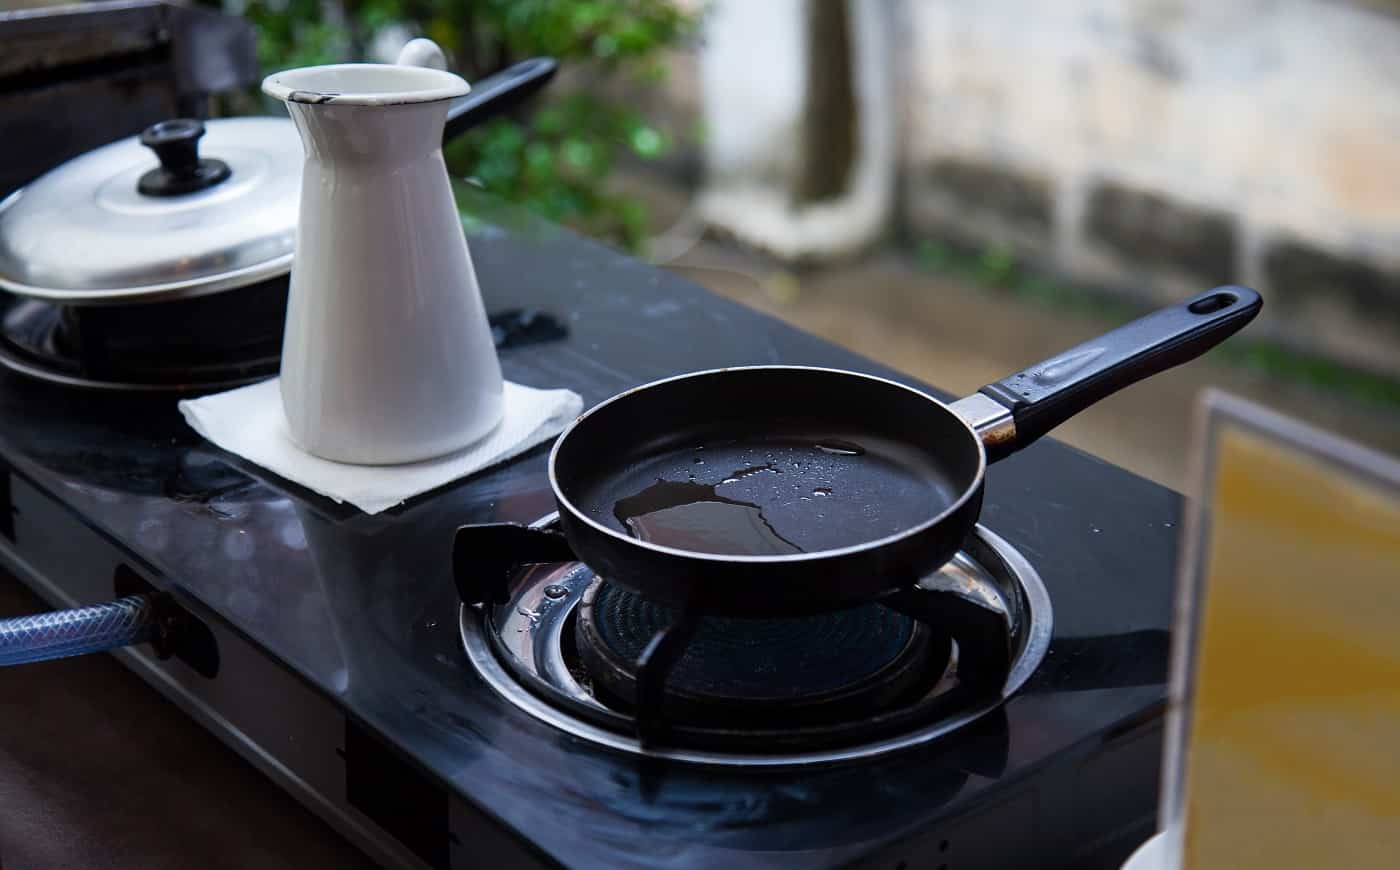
x=955 y=189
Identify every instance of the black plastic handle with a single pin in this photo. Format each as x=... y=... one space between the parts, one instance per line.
x=181 y=170
x=498 y=93
x=486 y=554
x=1048 y=393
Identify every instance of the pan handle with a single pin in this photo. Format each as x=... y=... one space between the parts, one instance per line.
x=1044 y=395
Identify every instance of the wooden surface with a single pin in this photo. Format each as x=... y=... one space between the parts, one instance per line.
x=1291 y=758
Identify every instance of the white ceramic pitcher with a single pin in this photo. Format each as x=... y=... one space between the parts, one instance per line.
x=388 y=357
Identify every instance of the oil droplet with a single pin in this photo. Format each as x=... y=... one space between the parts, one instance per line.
x=1095 y=529
x=555 y=591
x=837 y=447
x=1168 y=525
x=736 y=476
x=822 y=491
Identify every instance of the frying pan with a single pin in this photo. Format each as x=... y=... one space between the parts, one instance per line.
x=778 y=490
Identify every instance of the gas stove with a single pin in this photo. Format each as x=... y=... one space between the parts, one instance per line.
x=563 y=645
x=185 y=346
x=169 y=346
x=338 y=655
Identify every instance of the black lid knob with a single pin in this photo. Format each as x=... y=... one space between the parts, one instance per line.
x=182 y=170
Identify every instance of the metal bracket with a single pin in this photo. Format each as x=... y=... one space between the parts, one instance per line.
x=654 y=665
x=981 y=627
x=992 y=421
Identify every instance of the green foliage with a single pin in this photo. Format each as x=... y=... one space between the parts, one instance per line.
x=554 y=158
x=1326 y=375
x=997 y=268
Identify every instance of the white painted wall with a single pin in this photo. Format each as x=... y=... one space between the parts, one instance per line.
x=752 y=79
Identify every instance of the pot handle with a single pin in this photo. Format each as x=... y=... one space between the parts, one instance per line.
x=498 y=93
x=484 y=555
x=1048 y=393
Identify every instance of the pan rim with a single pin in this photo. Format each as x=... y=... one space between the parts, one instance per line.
x=953 y=507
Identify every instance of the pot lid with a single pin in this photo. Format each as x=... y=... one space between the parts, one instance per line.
x=214 y=207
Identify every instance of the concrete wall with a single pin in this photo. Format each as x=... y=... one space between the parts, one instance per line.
x=1159 y=146
x=1154 y=147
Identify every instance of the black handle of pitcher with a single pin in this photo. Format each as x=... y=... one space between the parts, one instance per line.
x=497 y=94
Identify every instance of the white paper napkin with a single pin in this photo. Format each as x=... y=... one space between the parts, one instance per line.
x=248 y=421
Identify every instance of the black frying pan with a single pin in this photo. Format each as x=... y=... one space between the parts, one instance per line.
x=775 y=490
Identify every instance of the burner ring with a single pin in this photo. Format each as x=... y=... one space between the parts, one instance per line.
x=548 y=692
x=832 y=666
x=180 y=346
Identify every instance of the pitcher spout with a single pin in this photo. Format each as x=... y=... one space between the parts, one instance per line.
x=387 y=113
x=364 y=84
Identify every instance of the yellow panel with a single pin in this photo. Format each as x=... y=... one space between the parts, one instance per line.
x=1293 y=757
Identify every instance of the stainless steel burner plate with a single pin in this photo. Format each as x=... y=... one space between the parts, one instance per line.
x=30 y=343
x=526 y=633
x=14 y=363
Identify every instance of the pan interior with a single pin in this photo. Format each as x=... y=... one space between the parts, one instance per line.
x=824 y=461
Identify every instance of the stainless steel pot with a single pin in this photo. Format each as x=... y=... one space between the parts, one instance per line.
x=185 y=209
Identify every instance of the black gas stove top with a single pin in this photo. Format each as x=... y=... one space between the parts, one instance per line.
x=341 y=669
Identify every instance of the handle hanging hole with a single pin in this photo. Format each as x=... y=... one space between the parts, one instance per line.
x=1212 y=303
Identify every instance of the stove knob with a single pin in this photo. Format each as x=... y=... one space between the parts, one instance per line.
x=181 y=169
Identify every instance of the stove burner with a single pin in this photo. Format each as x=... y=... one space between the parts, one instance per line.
x=206 y=343
x=757 y=672
x=531 y=648
x=209 y=342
